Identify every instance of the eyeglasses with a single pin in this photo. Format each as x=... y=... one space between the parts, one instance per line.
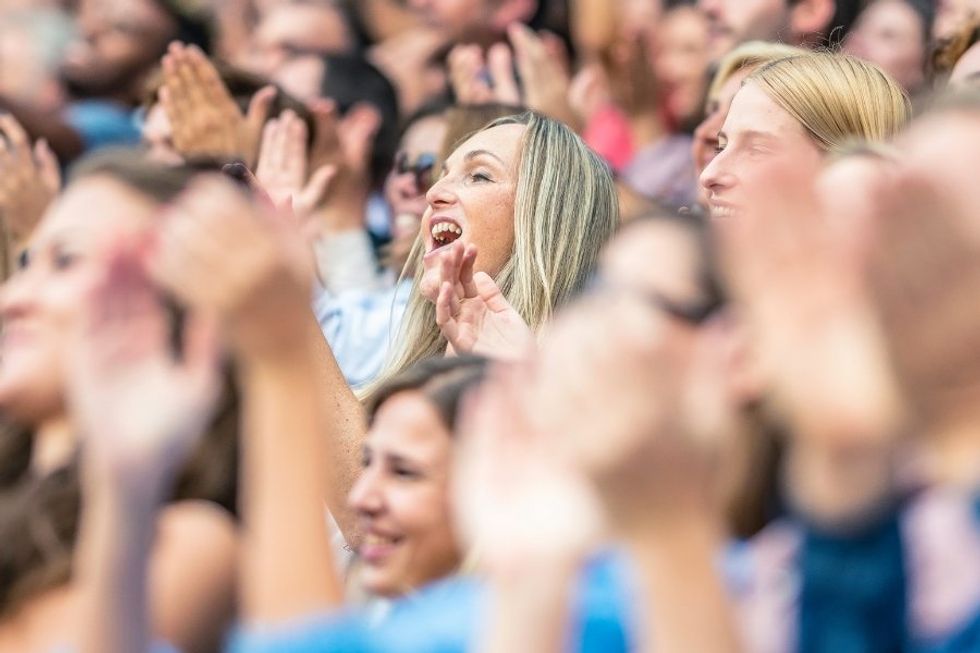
x=421 y=168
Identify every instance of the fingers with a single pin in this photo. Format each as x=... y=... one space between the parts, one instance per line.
x=466 y=75
x=446 y=307
x=317 y=187
x=259 y=108
x=501 y=66
x=18 y=142
x=47 y=164
x=357 y=133
x=467 y=259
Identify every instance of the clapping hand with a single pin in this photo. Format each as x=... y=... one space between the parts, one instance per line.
x=140 y=405
x=472 y=313
x=204 y=117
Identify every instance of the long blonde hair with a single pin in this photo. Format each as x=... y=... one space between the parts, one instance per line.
x=836 y=97
x=565 y=209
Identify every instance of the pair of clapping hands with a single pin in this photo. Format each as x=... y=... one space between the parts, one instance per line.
x=207 y=122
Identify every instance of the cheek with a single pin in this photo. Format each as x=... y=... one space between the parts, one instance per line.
x=493 y=232
x=421 y=508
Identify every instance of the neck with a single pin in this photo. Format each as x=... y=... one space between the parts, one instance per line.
x=647 y=128
x=54 y=444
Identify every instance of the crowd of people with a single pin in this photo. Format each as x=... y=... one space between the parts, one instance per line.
x=489 y=325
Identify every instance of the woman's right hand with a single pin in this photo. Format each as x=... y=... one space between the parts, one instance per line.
x=222 y=253
x=472 y=313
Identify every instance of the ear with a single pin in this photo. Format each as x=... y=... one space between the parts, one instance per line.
x=512 y=11
x=809 y=18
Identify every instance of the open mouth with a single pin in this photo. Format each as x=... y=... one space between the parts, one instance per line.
x=445 y=233
x=375 y=548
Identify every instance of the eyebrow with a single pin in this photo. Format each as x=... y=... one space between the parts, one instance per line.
x=476 y=153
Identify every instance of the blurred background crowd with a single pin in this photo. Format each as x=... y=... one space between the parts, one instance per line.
x=489 y=325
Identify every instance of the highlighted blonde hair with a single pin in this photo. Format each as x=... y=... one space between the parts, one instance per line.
x=565 y=209
x=748 y=57
x=835 y=97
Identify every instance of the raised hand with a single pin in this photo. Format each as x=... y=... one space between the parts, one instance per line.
x=473 y=314
x=29 y=179
x=204 y=117
x=629 y=430
x=283 y=166
x=519 y=501
x=478 y=81
x=139 y=405
x=345 y=143
x=542 y=63
x=223 y=253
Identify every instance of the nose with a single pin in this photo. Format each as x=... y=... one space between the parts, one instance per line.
x=366 y=497
x=716 y=175
x=441 y=194
x=709 y=7
x=17 y=296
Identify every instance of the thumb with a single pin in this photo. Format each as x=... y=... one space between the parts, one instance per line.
x=357 y=134
x=47 y=164
x=489 y=292
x=318 y=185
x=260 y=106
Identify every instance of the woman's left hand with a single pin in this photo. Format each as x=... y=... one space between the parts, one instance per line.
x=139 y=405
x=473 y=314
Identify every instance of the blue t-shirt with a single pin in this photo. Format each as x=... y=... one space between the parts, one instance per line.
x=100 y=123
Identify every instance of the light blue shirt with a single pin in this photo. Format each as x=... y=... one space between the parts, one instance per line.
x=361 y=327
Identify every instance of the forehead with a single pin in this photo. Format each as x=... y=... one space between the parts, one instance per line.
x=504 y=141
x=896 y=13
x=753 y=110
x=93 y=212
x=425 y=135
x=407 y=424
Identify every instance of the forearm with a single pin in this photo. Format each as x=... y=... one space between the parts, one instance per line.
x=344 y=429
x=112 y=559
x=687 y=605
x=529 y=610
x=287 y=568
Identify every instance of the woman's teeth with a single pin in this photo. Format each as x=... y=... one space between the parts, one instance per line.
x=444 y=233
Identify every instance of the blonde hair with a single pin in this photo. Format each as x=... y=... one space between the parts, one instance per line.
x=565 y=209
x=837 y=98
x=749 y=56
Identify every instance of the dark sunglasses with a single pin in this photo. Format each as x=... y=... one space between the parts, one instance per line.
x=421 y=168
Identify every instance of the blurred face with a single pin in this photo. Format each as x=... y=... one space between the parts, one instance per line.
x=682 y=60
x=889 y=33
x=967 y=69
x=660 y=257
x=950 y=16
x=402 y=498
x=409 y=180
x=41 y=304
x=731 y=22
x=459 y=18
x=705 y=144
x=289 y=30
x=158 y=137
x=473 y=201
x=757 y=139
x=119 y=41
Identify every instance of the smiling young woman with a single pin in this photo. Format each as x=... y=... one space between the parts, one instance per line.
x=792 y=112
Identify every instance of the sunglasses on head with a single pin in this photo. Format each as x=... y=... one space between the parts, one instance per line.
x=421 y=168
